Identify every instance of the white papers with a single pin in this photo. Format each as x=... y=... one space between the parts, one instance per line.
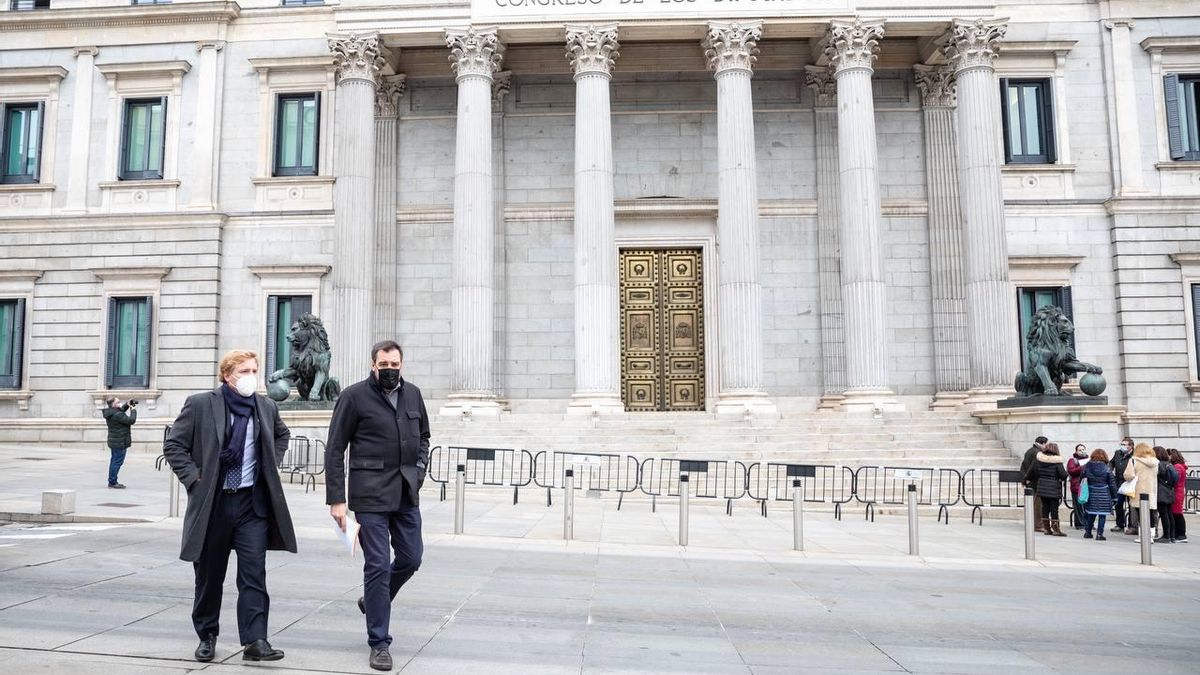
x=349 y=536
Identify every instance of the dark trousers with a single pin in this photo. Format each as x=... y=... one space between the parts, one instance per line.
x=114 y=464
x=383 y=576
x=1168 y=520
x=1121 y=505
x=1050 y=507
x=234 y=526
x=1180 y=526
x=1089 y=519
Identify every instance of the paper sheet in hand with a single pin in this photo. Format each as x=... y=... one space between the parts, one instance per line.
x=349 y=536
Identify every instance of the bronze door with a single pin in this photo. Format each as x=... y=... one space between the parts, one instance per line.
x=662 y=329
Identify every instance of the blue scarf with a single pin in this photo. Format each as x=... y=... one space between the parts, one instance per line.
x=240 y=408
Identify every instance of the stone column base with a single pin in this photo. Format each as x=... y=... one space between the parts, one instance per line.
x=948 y=400
x=831 y=402
x=984 y=398
x=871 y=401
x=467 y=406
x=596 y=404
x=745 y=404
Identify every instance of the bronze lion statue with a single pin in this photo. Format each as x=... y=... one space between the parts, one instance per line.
x=308 y=368
x=1049 y=358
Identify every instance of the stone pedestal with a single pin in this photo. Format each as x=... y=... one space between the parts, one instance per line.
x=1095 y=425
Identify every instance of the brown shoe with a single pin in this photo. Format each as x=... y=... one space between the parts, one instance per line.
x=1057 y=531
x=1046 y=527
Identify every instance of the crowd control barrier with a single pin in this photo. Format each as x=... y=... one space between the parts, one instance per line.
x=888 y=485
x=602 y=472
x=710 y=479
x=1191 y=495
x=162 y=458
x=499 y=467
x=992 y=489
x=820 y=483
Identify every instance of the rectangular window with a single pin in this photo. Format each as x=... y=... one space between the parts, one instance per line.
x=12 y=333
x=1030 y=300
x=142 y=139
x=1027 y=110
x=128 y=358
x=20 y=5
x=21 y=141
x=282 y=310
x=1183 y=115
x=297 y=121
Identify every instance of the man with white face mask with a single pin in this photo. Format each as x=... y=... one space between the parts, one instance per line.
x=225 y=447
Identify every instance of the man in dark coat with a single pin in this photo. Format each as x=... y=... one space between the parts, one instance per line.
x=1027 y=462
x=225 y=447
x=119 y=418
x=383 y=422
x=1120 y=460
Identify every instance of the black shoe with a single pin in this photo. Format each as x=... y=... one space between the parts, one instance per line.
x=1164 y=540
x=362 y=607
x=207 y=649
x=116 y=486
x=1101 y=537
x=1087 y=535
x=380 y=658
x=261 y=650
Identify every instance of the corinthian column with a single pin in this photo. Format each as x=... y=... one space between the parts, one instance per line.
x=357 y=60
x=951 y=370
x=730 y=50
x=991 y=317
x=850 y=47
x=591 y=50
x=387 y=156
x=475 y=56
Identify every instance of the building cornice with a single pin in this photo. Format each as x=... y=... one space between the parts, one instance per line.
x=1036 y=47
x=123 y=221
x=51 y=73
x=1153 y=204
x=109 y=70
x=1187 y=43
x=122 y=15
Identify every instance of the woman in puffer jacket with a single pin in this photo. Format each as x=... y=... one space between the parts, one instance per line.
x=1049 y=473
x=1144 y=467
x=1102 y=489
x=1180 y=496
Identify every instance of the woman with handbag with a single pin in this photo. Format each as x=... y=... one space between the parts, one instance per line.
x=1075 y=466
x=1181 y=470
x=1167 y=479
x=1141 y=476
x=1101 y=488
x=1048 y=471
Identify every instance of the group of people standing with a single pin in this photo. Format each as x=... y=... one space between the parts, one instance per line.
x=1100 y=485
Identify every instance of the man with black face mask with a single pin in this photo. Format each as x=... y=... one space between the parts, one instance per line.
x=383 y=423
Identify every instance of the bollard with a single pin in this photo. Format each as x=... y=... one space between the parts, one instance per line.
x=1145 y=532
x=569 y=506
x=913 y=546
x=173 y=495
x=1030 y=554
x=683 y=509
x=460 y=491
x=797 y=515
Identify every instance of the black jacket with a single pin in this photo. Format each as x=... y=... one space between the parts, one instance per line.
x=387 y=447
x=1028 y=461
x=1166 y=486
x=1119 y=461
x=1048 y=474
x=119 y=420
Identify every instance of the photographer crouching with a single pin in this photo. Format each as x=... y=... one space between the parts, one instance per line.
x=119 y=417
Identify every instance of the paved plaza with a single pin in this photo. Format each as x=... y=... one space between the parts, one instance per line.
x=511 y=596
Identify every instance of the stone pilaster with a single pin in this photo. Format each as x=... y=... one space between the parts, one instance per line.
x=358 y=59
x=850 y=48
x=970 y=47
x=205 y=147
x=81 y=129
x=1125 y=100
x=387 y=157
x=730 y=50
x=592 y=50
x=951 y=367
x=475 y=56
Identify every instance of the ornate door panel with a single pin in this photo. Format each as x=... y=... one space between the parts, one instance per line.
x=662 y=329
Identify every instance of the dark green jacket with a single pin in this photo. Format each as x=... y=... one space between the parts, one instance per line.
x=119 y=421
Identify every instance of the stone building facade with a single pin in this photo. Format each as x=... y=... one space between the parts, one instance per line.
x=742 y=208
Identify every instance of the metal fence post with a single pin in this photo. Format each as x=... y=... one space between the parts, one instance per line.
x=460 y=491
x=797 y=515
x=173 y=492
x=1030 y=554
x=914 y=547
x=569 y=506
x=683 y=509
x=1145 y=532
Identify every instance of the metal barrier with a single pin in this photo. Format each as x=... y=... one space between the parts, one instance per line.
x=991 y=489
x=498 y=467
x=1191 y=495
x=710 y=479
x=602 y=472
x=823 y=483
x=886 y=485
x=295 y=458
x=162 y=457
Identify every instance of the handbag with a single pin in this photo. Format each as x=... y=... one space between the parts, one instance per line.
x=1083 y=490
x=1129 y=488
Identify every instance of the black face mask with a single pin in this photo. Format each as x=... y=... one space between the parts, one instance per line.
x=389 y=378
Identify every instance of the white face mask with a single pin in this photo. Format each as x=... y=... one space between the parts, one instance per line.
x=246 y=384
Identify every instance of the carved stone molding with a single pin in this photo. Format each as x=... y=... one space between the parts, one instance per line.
x=937 y=85
x=731 y=45
x=852 y=44
x=820 y=80
x=357 y=56
x=475 y=52
x=387 y=95
x=501 y=86
x=592 y=48
x=973 y=44
x=216 y=45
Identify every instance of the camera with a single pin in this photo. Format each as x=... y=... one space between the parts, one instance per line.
x=133 y=402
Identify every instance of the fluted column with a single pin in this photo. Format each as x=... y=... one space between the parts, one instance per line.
x=591 y=50
x=850 y=47
x=829 y=262
x=475 y=56
x=951 y=368
x=730 y=50
x=387 y=157
x=991 y=312
x=357 y=61
x=204 y=149
x=81 y=130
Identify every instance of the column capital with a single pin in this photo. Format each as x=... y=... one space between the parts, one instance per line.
x=84 y=51
x=820 y=79
x=1112 y=24
x=388 y=93
x=973 y=44
x=215 y=45
x=731 y=45
x=474 y=52
x=357 y=56
x=937 y=85
x=592 y=48
x=852 y=44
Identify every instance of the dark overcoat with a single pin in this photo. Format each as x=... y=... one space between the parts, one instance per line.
x=119 y=420
x=193 y=449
